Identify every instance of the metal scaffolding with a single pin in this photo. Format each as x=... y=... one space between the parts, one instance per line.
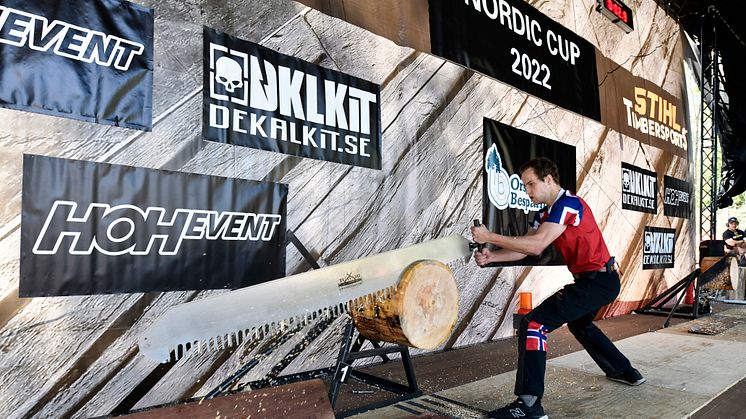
x=712 y=105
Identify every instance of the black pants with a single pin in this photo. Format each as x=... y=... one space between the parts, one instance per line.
x=576 y=304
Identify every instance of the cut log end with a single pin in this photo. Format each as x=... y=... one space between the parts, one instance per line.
x=421 y=311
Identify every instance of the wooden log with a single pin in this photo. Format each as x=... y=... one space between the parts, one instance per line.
x=419 y=312
x=719 y=272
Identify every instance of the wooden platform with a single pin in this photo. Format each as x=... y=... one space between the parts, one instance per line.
x=306 y=399
x=686 y=373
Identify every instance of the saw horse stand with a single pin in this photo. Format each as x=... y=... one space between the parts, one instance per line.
x=343 y=370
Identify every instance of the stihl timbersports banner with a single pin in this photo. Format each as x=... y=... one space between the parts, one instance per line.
x=506 y=208
x=642 y=110
x=508 y=40
x=94 y=228
x=90 y=60
x=259 y=98
x=659 y=248
x=639 y=189
x=676 y=197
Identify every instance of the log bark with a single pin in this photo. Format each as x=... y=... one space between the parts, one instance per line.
x=419 y=312
x=720 y=272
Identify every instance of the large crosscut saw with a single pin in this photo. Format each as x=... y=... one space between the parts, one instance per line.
x=228 y=319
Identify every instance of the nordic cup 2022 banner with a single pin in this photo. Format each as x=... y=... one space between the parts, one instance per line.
x=507 y=209
x=259 y=98
x=90 y=60
x=513 y=42
x=94 y=228
x=659 y=248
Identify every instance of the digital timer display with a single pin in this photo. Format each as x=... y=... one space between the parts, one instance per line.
x=618 y=12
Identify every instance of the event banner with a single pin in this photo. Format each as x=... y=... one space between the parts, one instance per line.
x=259 y=98
x=639 y=189
x=676 y=197
x=641 y=110
x=513 y=42
x=508 y=40
x=506 y=208
x=659 y=248
x=90 y=60
x=95 y=228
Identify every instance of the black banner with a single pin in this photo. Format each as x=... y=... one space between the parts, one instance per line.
x=506 y=208
x=93 y=228
x=516 y=44
x=677 y=195
x=639 y=189
x=90 y=60
x=259 y=98
x=659 y=247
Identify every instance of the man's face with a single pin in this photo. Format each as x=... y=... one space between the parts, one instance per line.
x=733 y=225
x=536 y=188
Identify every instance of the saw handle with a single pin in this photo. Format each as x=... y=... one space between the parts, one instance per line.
x=473 y=245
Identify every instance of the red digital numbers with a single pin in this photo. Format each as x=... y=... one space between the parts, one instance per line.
x=617 y=10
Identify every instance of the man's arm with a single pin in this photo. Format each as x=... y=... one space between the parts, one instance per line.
x=732 y=239
x=487 y=256
x=528 y=245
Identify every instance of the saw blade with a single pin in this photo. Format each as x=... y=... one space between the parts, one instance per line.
x=228 y=319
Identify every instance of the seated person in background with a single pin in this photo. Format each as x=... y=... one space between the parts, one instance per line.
x=734 y=241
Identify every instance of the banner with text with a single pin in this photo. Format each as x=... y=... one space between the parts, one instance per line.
x=515 y=43
x=506 y=208
x=95 y=228
x=259 y=98
x=90 y=60
x=658 y=248
x=642 y=110
x=677 y=197
x=639 y=189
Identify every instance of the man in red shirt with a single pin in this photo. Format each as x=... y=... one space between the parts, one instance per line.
x=566 y=222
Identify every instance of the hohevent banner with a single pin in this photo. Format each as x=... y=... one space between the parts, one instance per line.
x=259 y=98
x=90 y=60
x=658 y=248
x=677 y=195
x=95 y=228
x=639 y=189
x=506 y=208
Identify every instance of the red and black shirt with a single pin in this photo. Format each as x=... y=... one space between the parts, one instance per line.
x=581 y=244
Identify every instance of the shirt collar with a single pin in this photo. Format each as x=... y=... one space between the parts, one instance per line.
x=559 y=195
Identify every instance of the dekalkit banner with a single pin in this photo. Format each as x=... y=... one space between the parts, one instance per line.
x=90 y=60
x=507 y=209
x=658 y=248
x=639 y=189
x=94 y=228
x=676 y=197
x=513 y=42
x=259 y=98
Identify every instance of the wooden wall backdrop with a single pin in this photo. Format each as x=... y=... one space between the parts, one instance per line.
x=78 y=356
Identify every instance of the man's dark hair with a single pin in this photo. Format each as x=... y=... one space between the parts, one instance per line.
x=542 y=167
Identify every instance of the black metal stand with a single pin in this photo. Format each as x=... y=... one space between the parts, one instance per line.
x=655 y=307
x=343 y=370
x=350 y=352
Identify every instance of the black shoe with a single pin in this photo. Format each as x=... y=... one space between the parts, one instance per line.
x=518 y=409
x=631 y=377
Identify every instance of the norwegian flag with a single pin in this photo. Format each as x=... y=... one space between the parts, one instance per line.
x=536 y=337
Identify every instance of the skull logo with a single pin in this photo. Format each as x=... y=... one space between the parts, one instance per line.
x=626 y=181
x=648 y=242
x=228 y=74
